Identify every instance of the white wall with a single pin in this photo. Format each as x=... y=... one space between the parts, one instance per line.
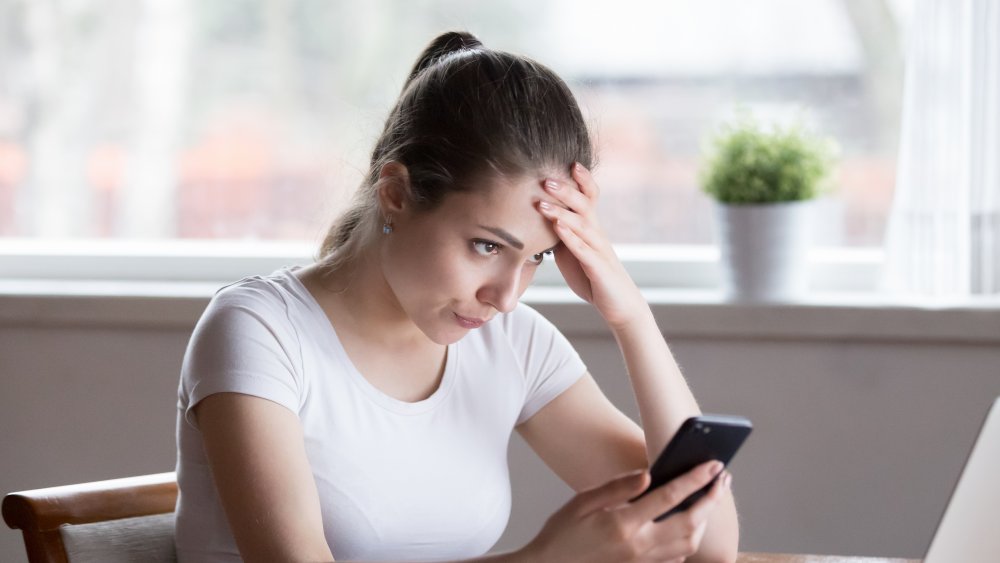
x=862 y=415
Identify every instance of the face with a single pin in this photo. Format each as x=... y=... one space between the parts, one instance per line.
x=454 y=268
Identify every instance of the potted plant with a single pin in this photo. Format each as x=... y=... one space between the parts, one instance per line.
x=764 y=182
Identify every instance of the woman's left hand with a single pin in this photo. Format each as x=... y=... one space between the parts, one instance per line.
x=591 y=267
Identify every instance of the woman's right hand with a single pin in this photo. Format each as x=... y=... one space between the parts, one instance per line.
x=601 y=525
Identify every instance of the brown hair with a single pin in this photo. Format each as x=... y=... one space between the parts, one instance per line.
x=465 y=111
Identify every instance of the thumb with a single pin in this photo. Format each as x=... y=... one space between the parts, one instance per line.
x=615 y=492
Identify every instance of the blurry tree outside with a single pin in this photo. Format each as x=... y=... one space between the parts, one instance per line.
x=253 y=119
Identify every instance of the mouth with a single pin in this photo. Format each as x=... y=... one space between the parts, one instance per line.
x=467 y=322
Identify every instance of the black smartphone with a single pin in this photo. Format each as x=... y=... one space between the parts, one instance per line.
x=700 y=439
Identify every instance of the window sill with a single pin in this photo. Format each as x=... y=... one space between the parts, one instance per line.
x=681 y=313
x=819 y=316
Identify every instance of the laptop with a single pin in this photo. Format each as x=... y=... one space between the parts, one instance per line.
x=969 y=531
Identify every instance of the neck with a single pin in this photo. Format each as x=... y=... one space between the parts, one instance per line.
x=360 y=300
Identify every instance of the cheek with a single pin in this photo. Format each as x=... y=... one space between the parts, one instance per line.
x=527 y=275
x=465 y=274
x=420 y=254
x=452 y=272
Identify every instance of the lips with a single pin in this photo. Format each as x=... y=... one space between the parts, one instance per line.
x=467 y=322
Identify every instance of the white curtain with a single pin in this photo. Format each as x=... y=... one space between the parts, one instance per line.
x=944 y=227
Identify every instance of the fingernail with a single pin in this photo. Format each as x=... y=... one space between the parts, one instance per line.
x=715 y=468
x=552 y=185
x=727 y=481
x=579 y=168
x=544 y=205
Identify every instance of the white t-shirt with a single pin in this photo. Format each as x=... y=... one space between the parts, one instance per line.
x=396 y=480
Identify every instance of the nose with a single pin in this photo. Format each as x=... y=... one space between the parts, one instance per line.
x=502 y=291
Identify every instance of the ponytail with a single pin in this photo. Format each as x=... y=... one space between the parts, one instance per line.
x=465 y=113
x=442 y=46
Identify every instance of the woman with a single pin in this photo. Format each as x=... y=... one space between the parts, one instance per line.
x=362 y=406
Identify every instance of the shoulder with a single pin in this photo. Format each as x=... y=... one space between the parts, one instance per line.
x=527 y=331
x=246 y=342
x=270 y=295
x=252 y=290
x=250 y=305
x=522 y=318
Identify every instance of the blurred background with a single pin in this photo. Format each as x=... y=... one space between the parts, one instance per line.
x=159 y=139
x=253 y=120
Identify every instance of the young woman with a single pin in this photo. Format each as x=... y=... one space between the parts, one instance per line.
x=361 y=407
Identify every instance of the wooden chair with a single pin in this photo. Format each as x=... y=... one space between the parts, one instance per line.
x=120 y=520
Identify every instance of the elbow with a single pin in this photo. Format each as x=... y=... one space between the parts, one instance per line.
x=716 y=554
x=729 y=556
x=721 y=544
x=725 y=551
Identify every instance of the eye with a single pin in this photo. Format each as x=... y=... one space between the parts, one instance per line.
x=485 y=247
x=540 y=257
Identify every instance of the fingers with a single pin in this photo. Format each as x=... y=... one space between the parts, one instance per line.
x=580 y=248
x=586 y=181
x=582 y=233
x=566 y=194
x=616 y=492
x=673 y=493
x=574 y=208
x=680 y=546
x=554 y=213
x=682 y=533
x=580 y=200
x=700 y=510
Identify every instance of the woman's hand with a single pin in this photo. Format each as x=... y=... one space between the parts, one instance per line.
x=591 y=267
x=601 y=525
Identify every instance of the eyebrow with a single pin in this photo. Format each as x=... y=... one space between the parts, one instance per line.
x=511 y=239
x=507 y=237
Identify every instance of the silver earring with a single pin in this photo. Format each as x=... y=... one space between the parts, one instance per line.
x=387 y=226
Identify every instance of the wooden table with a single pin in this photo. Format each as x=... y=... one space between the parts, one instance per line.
x=799 y=558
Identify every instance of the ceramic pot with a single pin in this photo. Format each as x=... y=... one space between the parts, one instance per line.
x=763 y=250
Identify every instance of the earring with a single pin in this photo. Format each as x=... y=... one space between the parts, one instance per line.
x=387 y=226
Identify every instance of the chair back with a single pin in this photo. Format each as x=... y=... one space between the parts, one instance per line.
x=117 y=521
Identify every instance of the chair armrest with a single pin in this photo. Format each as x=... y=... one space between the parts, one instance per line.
x=42 y=510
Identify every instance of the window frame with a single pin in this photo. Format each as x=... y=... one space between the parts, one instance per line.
x=673 y=267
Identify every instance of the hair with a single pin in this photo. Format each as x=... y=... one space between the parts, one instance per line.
x=465 y=113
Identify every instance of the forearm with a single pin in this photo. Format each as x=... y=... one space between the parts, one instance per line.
x=665 y=401
x=722 y=536
x=520 y=556
x=662 y=394
x=510 y=557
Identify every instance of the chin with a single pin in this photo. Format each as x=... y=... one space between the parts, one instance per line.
x=445 y=335
x=441 y=329
x=449 y=337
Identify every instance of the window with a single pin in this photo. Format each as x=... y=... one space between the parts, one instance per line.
x=250 y=120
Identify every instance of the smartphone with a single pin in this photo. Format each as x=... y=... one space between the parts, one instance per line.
x=700 y=439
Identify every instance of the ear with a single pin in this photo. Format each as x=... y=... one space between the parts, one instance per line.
x=393 y=188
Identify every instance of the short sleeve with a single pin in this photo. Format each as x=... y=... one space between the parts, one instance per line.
x=243 y=343
x=549 y=363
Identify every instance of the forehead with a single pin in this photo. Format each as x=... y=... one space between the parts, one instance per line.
x=496 y=195
x=508 y=203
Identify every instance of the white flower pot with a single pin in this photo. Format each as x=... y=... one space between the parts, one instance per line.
x=763 y=250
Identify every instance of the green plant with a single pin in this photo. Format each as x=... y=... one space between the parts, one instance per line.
x=747 y=164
